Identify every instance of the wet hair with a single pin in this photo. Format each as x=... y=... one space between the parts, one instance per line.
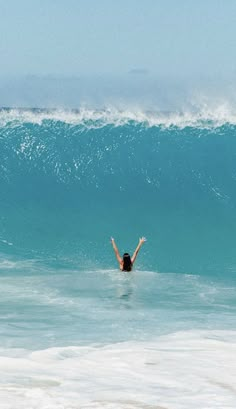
x=127 y=263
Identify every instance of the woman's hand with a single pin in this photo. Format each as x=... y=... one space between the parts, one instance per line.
x=142 y=240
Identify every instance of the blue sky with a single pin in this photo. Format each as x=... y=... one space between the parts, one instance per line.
x=125 y=43
x=74 y=37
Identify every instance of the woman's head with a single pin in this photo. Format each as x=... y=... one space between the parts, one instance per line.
x=127 y=263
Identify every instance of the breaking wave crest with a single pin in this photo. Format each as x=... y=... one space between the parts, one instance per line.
x=202 y=116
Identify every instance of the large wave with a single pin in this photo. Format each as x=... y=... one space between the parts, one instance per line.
x=88 y=174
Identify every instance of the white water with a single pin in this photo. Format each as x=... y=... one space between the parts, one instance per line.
x=203 y=114
x=104 y=339
x=193 y=369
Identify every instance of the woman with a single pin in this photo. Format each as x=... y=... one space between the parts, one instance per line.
x=126 y=263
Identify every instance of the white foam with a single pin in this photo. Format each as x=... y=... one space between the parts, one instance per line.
x=191 y=370
x=204 y=114
x=12 y=264
x=6 y=242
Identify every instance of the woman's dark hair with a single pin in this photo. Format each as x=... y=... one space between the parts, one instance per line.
x=127 y=263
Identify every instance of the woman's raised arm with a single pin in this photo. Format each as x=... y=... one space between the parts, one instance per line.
x=141 y=241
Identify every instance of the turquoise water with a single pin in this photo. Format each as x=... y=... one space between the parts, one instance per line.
x=75 y=331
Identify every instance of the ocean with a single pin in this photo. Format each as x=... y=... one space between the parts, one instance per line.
x=76 y=332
